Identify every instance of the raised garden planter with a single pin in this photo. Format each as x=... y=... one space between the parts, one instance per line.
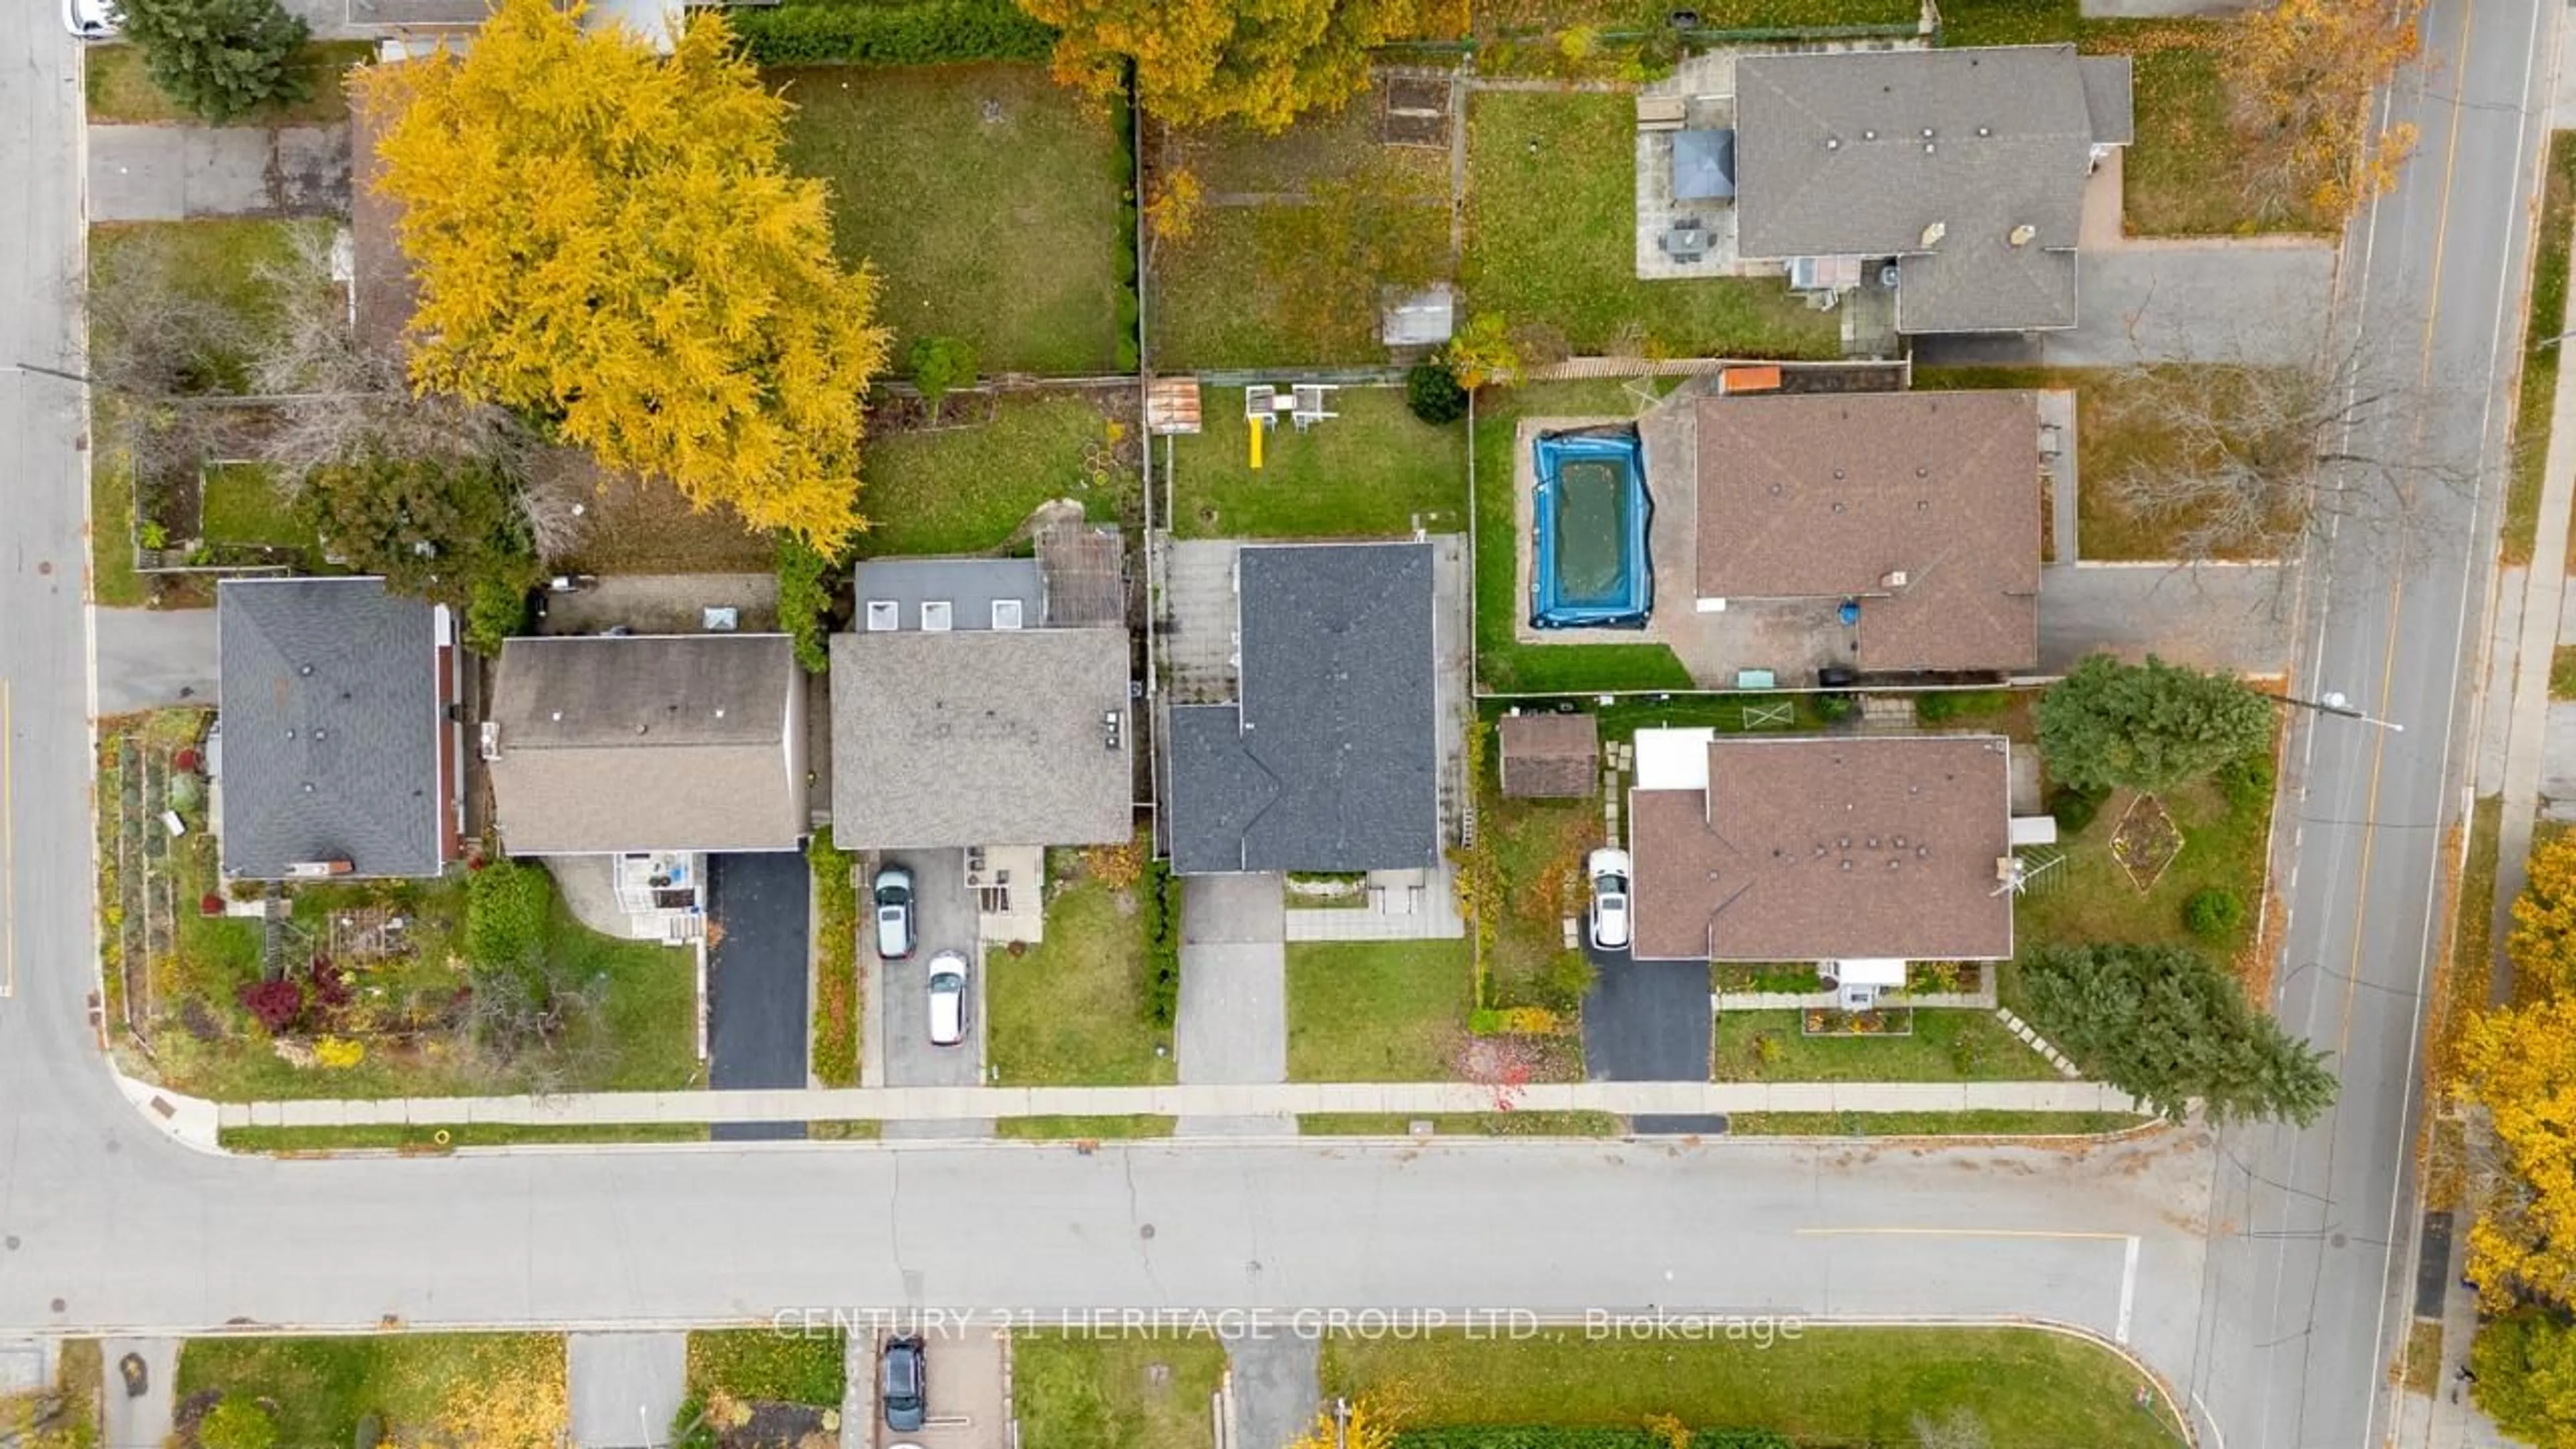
x=1826 y=1021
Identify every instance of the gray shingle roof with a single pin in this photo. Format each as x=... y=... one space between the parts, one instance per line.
x=331 y=713
x=1331 y=759
x=980 y=738
x=650 y=742
x=1833 y=159
x=969 y=586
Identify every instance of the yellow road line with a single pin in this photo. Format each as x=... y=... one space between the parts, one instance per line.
x=1962 y=1233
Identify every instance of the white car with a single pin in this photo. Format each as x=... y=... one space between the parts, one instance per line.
x=947 y=999
x=892 y=896
x=91 y=19
x=1609 y=872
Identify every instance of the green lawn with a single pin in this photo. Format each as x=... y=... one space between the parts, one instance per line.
x=763 y=1363
x=1463 y=1124
x=2544 y=321
x=2027 y=1388
x=498 y=1391
x=1502 y=665
x=1929 y=1124
x=1380 y=1011
x=113 y=582
x=1538 y=848
x=1072 y=1010
x=424 y=1137
x=120 y=93
x=964 y=487
x=2090 y=898
x=1063 y=1129
x=1947 y=1046
x=242 y=503
x=987 y=197
x=1375 y=470
x=1551 y=240
x=1134 y=1392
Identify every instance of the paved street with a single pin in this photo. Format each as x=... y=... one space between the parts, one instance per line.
x=2310 y=1233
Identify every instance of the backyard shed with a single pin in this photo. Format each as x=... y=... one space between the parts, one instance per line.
x=1550 y=756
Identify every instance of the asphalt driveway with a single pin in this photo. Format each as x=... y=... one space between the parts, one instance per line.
x=757 y=979
x=1646 y=1021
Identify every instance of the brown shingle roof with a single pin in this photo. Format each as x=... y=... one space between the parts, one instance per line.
x=1821 y=849
x=1550 y=755
x=1833 y=496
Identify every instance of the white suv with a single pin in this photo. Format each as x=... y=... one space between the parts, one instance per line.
x=1609 y=872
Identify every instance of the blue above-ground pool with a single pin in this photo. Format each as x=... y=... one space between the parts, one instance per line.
x=1588 y=519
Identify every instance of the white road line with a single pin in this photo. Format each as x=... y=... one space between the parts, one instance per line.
x=2128 y=1293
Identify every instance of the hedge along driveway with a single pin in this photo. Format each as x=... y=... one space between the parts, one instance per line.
x=989 y=199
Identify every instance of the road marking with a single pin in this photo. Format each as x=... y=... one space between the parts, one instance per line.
x=2128 y=1292
x=2130 y=1238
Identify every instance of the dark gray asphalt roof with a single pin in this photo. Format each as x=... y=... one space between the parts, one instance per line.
x=1856 y=153
x=330 y=721
x=1330 y=760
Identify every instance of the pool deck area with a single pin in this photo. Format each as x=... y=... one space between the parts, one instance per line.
x=1792 y=640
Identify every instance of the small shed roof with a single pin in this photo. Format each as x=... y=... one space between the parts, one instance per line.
x=1550 y=756
x=1424 y=317
x=1703 y=165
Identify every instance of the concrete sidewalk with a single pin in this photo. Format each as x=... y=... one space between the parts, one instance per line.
x=1278 y=1100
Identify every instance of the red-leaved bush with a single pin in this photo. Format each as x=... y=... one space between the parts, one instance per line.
x=275 y=1004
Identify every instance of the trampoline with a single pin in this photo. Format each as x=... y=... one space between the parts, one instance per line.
x=1588 y=519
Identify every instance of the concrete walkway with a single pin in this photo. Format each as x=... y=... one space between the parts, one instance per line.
x=1277 y=1387
x=1279 y=1100
x=625 y=1387
x=144 y=1420
x=155 y=658
x=177 y=173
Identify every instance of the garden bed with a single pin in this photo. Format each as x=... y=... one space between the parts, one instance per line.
x=1954 y=1045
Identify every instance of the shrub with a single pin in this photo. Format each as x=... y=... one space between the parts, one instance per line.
x=274 y=1004
x=928 y=33
x=1566 y=981
x=1162 y=945
x=2213 y=912
x=2075 y=808
x=2168 y=1025
x=2247 y=782
x=496 y=610
x=1432 y=391
x=940 y=364
x=509 y=916
x=689 y=1426
x=805 y=601
x=219 y=59
x=836 y=964
x=237 y=1423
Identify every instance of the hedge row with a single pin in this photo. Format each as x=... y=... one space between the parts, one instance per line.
x=1162 y=908
x=932 y=32
x=1558 y=1436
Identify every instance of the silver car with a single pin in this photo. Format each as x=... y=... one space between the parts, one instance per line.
x=892 y=898
x=91 y=19
x=947 y=999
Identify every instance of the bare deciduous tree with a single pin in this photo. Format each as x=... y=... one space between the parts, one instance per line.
x=2249 y=461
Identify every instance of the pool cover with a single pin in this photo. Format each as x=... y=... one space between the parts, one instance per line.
x=1588 y=517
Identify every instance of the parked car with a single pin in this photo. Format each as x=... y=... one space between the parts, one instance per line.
x=947 y=999
x=893 y=896
x=903 y=1383
x=91 y=19
x=1609 y=871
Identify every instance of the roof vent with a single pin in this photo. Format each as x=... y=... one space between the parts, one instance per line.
x=1932 y=234
x=936 y=615
x=1006 y=613
x=1894 y=579
x=884 y=615
x=491 y=740
x=2022 y=234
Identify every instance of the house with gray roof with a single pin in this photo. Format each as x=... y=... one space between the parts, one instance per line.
x=679 y=743
x=334 y=754
x=1962 y=169
x=962 y=718
x=1328 y=760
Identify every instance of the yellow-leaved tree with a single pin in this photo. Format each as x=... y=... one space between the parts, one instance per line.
x=2543 y=944
x=2520 y=1064
x=2301 y=73
x=1261 y=62
x=607 y=237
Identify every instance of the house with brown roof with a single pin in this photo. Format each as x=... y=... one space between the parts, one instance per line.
x=1550 y=756
x=1859 y=849
x=1918 y=510
x=640 y=745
